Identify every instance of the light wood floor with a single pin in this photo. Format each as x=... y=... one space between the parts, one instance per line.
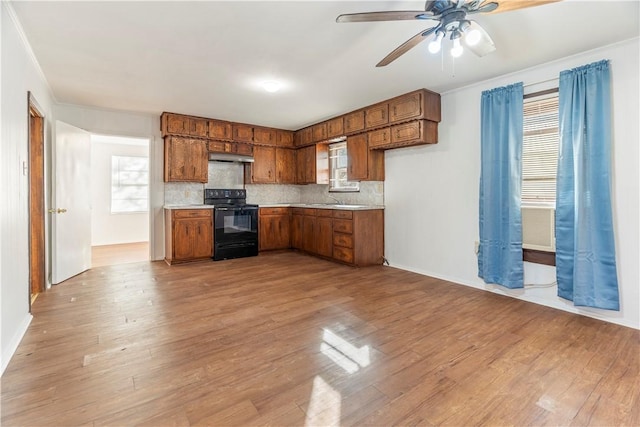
x=286 y=339
x=119 y=254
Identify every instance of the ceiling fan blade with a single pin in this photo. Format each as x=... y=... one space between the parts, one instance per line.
x=400 y=15
x=406 y=46
x=509 y=5
x=486 y=7
x=485 y=44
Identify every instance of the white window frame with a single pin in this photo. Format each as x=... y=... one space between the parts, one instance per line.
x=338 y=163
x=123 y=178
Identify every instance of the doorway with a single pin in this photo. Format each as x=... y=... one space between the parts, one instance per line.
x=35 y=168
x=120 y=200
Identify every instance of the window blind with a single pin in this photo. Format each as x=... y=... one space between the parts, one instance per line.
x=540 y=149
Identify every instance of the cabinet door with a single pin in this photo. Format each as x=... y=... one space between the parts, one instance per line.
x=324 y=236
x=306 y=165
x=240 y=148
x=377 y=115
x=406 y=107
x=284 y=138
x=319 y=132
x=296 y=231
x=357 y=156
x=219 y=146
x=267 y=232
x=199 y=161
x=303 y=137
x=198 y=127
x=335 y=127
x=219 y=130
x=242 y=133
x=202 y=237
x=354 y=122
x=380 y=137
x=263 y=167
x=406 y=132
x=176 y=152
x=183 y=239
x=285 y=166
x=177 y=124
x=264 y=136
x=309 y=233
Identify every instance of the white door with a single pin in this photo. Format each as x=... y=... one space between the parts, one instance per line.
x=71 y=203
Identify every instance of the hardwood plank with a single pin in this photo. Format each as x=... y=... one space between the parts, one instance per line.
x=247 y=341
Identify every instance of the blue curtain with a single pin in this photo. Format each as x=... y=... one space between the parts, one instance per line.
x=585 y=252
x=500 y=252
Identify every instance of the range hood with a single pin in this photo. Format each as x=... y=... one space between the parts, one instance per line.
x=230 y=157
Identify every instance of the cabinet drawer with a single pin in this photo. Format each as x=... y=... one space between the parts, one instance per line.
x=303 y=211
x=343 y=225
x=192 y=213
x=343 y=240
x=274 y=211
x=324 y=212
x=343 y=254
x=342 y=214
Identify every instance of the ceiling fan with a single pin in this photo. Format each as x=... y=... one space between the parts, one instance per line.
x=452 y=21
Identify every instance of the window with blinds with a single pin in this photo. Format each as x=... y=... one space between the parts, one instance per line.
x=540 y=150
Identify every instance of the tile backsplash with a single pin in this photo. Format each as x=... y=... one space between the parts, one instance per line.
x=231 y=175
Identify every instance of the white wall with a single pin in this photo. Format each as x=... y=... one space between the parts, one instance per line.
x=431 y=192
x=19 y=74
x=137 y=125
x=108 y=228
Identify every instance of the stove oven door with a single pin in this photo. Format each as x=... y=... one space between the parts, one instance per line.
x=235 y=232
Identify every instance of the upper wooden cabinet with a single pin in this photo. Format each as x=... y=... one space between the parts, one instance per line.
x=312 y=164
x=263 y=168
x=335 y=127
x=185 y=160
x=303 y=137
x=376 y=116
x=354 y=122
x=363 y=164
x=220 y=130
x=242 y=132
x=421 y=104
x=178 y=124
x=264 y=136
x=284 y=138
x=230 y=147
x=319 y=132
x=285 y=165
x=416 y=132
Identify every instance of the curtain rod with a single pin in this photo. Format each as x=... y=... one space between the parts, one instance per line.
x=543 y=81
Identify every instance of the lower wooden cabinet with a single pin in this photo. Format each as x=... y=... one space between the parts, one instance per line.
x=188 y=235
x=274 y=229
x=354 y=237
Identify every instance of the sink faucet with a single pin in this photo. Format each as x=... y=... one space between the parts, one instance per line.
x=340 y=202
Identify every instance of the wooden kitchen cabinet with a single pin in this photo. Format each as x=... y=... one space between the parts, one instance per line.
x=420 y=104
x=230 y=147
x=242 y=132
x=263 y=168
x=185 y=160
x=354 y=122
x=285 y=166
x=376 y=116
x=274 y=226
x=285 y=139
x=358 y=236
x=188 y=235
x=303 y=137
x=178 y=124
x=264 y=136
x=220 y=130
x=324 y=232
x=335 y=127
x=312 y=164
x=363 y=164
x=319 y=132
x=297 y=215
x=309 y=231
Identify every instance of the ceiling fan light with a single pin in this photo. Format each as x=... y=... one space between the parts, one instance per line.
x=456 y=50
x=472 y=37
x=436 y=44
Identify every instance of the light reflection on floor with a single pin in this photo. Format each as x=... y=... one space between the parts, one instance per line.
x=325 y=403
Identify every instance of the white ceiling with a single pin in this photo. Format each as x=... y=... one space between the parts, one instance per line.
x=206 y=58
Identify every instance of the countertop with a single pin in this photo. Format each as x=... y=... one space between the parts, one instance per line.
x=292 y=205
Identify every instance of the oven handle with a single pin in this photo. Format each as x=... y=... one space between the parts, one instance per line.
x=237 y=209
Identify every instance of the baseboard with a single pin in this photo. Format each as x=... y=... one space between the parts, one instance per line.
x=7 y=353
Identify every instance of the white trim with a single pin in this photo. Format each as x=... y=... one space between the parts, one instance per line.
x=27 y=46
x=12 y=346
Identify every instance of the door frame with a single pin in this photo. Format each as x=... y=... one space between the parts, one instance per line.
x=36 y=198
